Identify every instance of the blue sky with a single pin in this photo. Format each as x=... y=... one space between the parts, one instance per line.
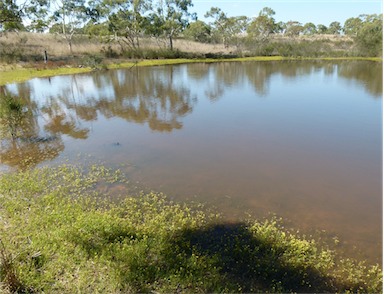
x=316 y=11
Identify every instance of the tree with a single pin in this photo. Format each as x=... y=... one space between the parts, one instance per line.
x=129 y=23
x=124 y=19
x=10 y=16
x=220 y=24
x=280 y=27
x=38 y=25
x=95 y=29
x=263 y=25
x=352 y=25
x=170 y=18
x=71 y=15
x=236 y=27
x=293 y=28
x=198 y=31
x=321 y=29
x=369 y=37
x=229 y=29
x=309 y=29
x=334 y=28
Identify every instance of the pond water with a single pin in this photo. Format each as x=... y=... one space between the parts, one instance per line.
x=299 y=139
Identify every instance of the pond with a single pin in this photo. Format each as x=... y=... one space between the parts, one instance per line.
x=299 y=139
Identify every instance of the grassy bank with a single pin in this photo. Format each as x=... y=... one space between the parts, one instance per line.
x=16 y=75
x=57 y=237
x=9 y=74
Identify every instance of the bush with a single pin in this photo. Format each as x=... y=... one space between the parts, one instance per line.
x=93 y=61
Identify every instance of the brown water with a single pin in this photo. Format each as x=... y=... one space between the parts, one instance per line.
x=302 y=140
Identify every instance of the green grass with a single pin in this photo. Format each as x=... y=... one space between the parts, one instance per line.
x=24 y=74
x=59 y=236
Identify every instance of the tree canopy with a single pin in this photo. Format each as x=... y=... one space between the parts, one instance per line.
x=127 y=21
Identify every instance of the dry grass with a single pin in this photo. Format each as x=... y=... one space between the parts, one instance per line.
x=35 y=44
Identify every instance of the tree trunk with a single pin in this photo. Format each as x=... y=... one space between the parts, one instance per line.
x=70 y=46
x=170 y=42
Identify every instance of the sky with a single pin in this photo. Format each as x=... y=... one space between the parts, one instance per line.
x=315 y=11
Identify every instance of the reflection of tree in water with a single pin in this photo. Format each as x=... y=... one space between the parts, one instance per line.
x=61 y=122
x=258 y=74
x=31 y=133
x=369 y=74
x=21 y=143
x=150 y=96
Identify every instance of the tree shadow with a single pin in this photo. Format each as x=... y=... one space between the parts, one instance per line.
x=252 y=264
x=224 y=257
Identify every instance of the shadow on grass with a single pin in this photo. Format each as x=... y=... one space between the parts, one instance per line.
x=250 y=264
x=229 y=259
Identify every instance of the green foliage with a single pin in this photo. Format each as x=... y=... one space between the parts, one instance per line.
x=263 y=25
x=93 y=61
x=70 y=17
x=309 y=29
x=321 y=29
x=300 y=48
x=334 y=28
x=352 y=25
x=61 y=239
x=198 y=31
x=227 y=30
x=10 y=16
x=293 y=28
x=369 y=37
x=11 y=115
x=170 y=18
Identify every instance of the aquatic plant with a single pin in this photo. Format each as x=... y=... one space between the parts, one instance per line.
x=11 y=113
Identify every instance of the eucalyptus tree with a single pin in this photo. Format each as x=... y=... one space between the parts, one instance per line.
x=219 y=24
x=198 y=31
x=10 y=15
x=369 y=37
x=71 y=16
x=37 y=12
x=238 y=26
x=262 y=26
x=280 y=28
x=293 y=28
x=126 y=19
x=309 y=29
x=169 y=18
x=334 y=28
x=321 y=29
x=228 y=28
x=13 y=12
x=352 y=25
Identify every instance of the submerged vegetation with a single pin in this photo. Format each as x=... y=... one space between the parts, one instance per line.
x=57 y=235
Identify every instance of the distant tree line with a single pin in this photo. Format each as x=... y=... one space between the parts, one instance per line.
x=127 y=21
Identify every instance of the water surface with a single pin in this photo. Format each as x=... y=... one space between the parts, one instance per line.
x=302 y=140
